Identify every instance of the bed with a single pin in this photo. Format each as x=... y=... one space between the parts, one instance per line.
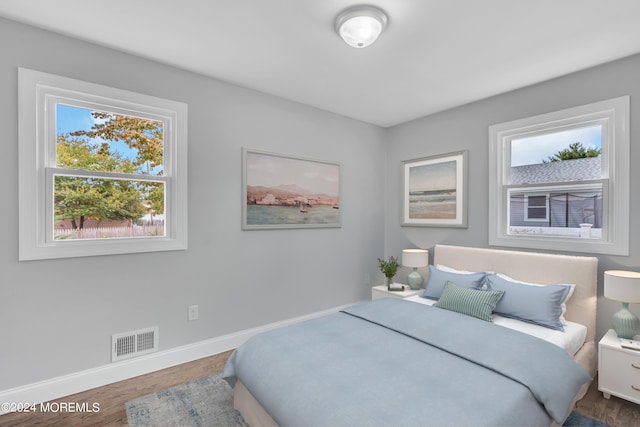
x=421 y=362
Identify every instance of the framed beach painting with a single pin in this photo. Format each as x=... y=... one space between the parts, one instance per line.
x=434 y=191
x=281 y=191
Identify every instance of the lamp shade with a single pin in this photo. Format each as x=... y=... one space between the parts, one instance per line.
x=415 y=257
x=623 y=286
x=360 y=26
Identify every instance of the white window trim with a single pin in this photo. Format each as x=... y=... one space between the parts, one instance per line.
x=614 y=115
x=36 y=90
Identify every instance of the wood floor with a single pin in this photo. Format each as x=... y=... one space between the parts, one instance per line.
x=615 y=411
x=111 y=398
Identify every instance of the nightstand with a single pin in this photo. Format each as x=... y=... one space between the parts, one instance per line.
x=618 y=369
x=382 y=292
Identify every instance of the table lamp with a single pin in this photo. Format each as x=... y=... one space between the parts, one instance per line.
x=415 y=258
x=623 y=286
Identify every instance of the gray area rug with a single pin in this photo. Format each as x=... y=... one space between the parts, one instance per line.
x=576 y=419
x=208 y=402
x=205 y=402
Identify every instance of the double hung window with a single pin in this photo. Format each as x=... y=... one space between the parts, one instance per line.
x=561 y=180
x=102 y=170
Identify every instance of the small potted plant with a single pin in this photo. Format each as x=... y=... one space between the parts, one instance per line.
x=389 y=268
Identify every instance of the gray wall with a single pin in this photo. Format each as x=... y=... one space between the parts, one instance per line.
x=466 y=127
x=57 y=316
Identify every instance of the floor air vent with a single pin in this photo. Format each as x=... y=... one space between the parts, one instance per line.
x=133 y=344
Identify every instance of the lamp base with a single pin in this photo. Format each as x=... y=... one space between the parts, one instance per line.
x=625 y=323
x=414 y=279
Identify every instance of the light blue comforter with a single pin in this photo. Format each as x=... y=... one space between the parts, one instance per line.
x=391 y=362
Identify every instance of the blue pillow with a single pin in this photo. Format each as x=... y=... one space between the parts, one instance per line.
x=439 y=278
x=472 y=302
x=541 y=305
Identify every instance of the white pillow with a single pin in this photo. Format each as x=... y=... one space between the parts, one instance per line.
x=453 y=270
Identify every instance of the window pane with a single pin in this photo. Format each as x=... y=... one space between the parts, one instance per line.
x=537 y=213
x=566 y=214
x=536 y=208
x=102 y=141
x=570 y=155
x=538 y=201
x=95 y=208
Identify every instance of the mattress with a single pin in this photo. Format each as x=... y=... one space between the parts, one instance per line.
x=571 y=340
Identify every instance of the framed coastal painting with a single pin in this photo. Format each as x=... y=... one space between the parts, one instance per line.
x=434 y=191
x=281 y=191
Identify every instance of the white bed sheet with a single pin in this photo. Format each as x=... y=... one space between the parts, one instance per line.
x=570 y=340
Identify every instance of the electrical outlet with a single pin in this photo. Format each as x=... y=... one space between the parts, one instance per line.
x=193 y=312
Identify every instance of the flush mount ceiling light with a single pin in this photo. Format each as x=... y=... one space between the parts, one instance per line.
x=360 y=26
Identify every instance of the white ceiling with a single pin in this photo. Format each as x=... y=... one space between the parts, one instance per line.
x=434 y=55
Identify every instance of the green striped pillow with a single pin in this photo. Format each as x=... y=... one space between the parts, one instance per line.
x=472 y=302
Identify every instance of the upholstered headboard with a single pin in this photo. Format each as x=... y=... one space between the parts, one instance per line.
x=542 y=268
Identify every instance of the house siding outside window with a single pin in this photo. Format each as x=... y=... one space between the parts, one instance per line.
x=560 y=209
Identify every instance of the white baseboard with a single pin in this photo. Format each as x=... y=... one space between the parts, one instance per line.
x=77 y=382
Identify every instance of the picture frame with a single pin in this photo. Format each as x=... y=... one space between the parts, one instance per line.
x=283 y=191
x=434 y=191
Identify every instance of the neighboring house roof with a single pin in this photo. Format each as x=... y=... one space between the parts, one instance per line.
x=565 y=170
